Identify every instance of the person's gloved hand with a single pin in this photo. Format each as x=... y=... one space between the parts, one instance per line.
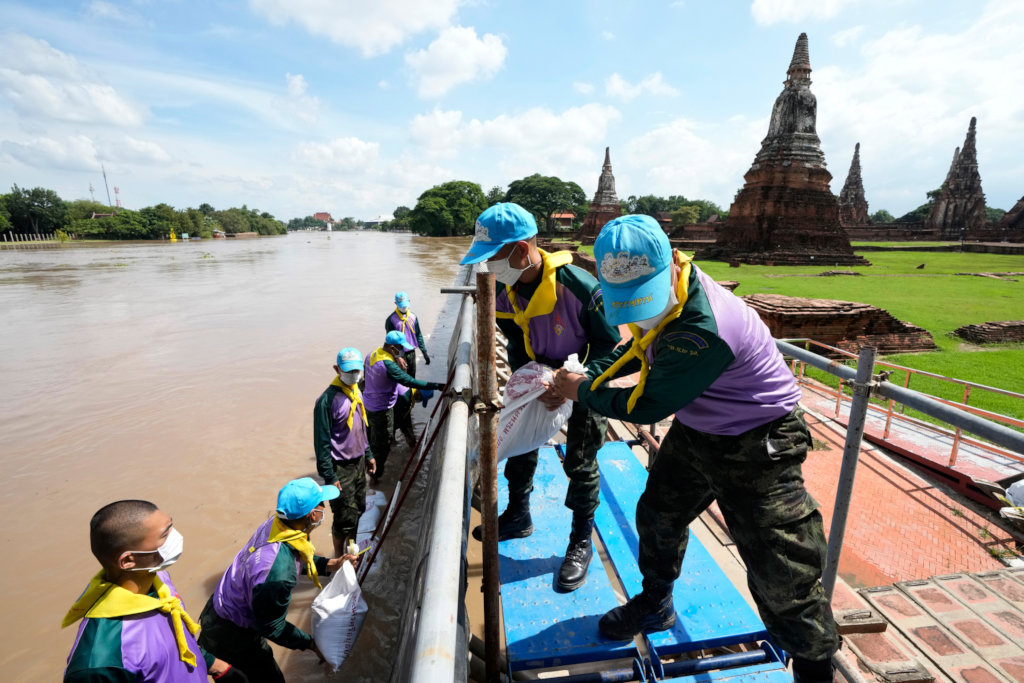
x=230 y=675
x=426 y=359
x=436 y=386
x=425 y=395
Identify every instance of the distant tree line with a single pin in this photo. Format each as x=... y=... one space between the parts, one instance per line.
x=40 y=211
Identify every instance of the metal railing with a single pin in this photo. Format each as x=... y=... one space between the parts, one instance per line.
x=894 y=410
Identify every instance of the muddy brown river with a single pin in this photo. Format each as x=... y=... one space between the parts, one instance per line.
x=185 y=374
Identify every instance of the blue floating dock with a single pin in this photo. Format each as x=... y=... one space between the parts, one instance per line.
x=544 y=628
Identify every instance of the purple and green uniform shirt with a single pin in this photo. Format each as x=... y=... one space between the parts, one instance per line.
x=716 y=367
x=255 y=591
x=333 y=441
x=411 y=330
x=139 y=648
x=380 y=391
x=576 y=321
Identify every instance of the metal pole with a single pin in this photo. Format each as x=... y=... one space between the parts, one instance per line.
x=487 y=377
x=851 y=453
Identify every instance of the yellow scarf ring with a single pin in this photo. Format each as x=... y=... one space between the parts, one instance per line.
x=404 y=317
x=355 y=398
x=543 y=300
x=105 y=600
x=638 y=349
x=279 y=533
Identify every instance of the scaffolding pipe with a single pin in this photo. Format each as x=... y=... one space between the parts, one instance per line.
x=436 y=639
x=851 y=455
x=486 y=408
x=996 y=433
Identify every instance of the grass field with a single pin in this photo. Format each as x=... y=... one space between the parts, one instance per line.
x=934 y=297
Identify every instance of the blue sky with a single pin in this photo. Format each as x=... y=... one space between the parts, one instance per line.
x=355 y=107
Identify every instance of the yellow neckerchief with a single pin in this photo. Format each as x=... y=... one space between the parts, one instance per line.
x=404 y=317
x=355 y=399
x=105 y=600
x=280 y=533
x=543 y=300
x=641 y=341
x=379 y=355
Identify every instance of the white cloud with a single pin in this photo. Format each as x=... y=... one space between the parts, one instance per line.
x=521 y=143
x=108 y=11
x=77 y=153
x=583 y=88
x=305 y=107
x=456 y=56
x=373 y=28
x=40 y=81
x=847 y=36
x=768 y=12
x=346 y=154
x=617 y=86
x=145 y=151
x=607 y=35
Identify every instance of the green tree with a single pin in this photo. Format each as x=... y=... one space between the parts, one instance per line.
x=448 y=209
x=919 y=214
x=401 y=221
x=5 y=215
x=348 y=223
x=36 y=210
x=206 y=209
x=994 y=215
x=685 y=215
x=160 y=220
x=124 y=225
x=881 y=216
x=85 y=208
x=543 y=196
x=495 y=195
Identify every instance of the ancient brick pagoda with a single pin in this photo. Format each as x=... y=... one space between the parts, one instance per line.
x=605 y=205
x=960 y=208
x=853 y=208
x=846 y=325
x=1011 y=226
x=786 y=214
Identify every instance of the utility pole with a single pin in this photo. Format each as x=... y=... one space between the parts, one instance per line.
x=109 y=203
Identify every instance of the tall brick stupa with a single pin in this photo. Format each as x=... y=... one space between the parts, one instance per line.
x=959 y=209
x=853 y=207
x=786 y=214
x=605 y=205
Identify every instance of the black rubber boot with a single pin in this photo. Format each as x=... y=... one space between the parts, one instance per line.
x=806 y=671
x=648 y=611
x=514 y=522
x=573 y=572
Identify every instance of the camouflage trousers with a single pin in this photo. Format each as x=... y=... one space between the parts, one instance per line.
x=585 y=435
x=757 y=480
x=347 y=507
x=380 y=430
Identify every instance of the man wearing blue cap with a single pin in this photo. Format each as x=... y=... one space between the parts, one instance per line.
x=408 y=323
x=738 y=437
x=341 y=445
x=548 y=310
x=250 y=604
x=385 y=371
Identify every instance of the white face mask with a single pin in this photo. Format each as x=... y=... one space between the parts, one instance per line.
x=651 y=323
x=351 y=378
x=503 y=270
x=403 y=309
x=169 y=552
x=312 y=524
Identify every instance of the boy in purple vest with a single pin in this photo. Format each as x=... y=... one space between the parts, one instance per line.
x=548 y=310
x=408 y=323
x=134 y=626
x=250 y=604
x=385 y=371
x=738 y=437
x=343 y=454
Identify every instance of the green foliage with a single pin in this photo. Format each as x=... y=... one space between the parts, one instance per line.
x=37 y=210
x=61 y=236
x=495 y=195
x=543 y=196
x=5 y=216
x=920 y=213
x=651 y=205
x=448 y=209
x=124 y=225
x=685 y=215
x=881 y=216
x=85 y=208
x=307 y=223
x=994 y=215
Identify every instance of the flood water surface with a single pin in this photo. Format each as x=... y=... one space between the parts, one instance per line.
x=184 y=374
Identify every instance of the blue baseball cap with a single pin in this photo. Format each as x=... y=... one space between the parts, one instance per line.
x=633 y=264
x=396 y=338
x=401 y=299
x=350 y=359
x=298 y=497
x=497 y=226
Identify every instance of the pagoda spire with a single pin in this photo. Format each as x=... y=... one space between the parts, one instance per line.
x=853 y=207
x=800 y=65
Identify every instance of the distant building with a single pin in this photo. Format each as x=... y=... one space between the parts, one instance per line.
x=374 y=222
x=323 y=216
x=563 y=221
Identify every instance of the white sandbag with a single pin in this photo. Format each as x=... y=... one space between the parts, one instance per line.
x=368 y=520
x=338 y=614
x=525 y=423
x=1016 y=493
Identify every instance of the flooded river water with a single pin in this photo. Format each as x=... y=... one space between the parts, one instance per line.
x=184 y=374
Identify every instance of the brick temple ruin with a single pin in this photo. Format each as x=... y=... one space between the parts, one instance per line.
x=846 y=325
x=992 y=332
x=605 y=205
x=853 y=207
x=786 y=213
x=959 y=210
